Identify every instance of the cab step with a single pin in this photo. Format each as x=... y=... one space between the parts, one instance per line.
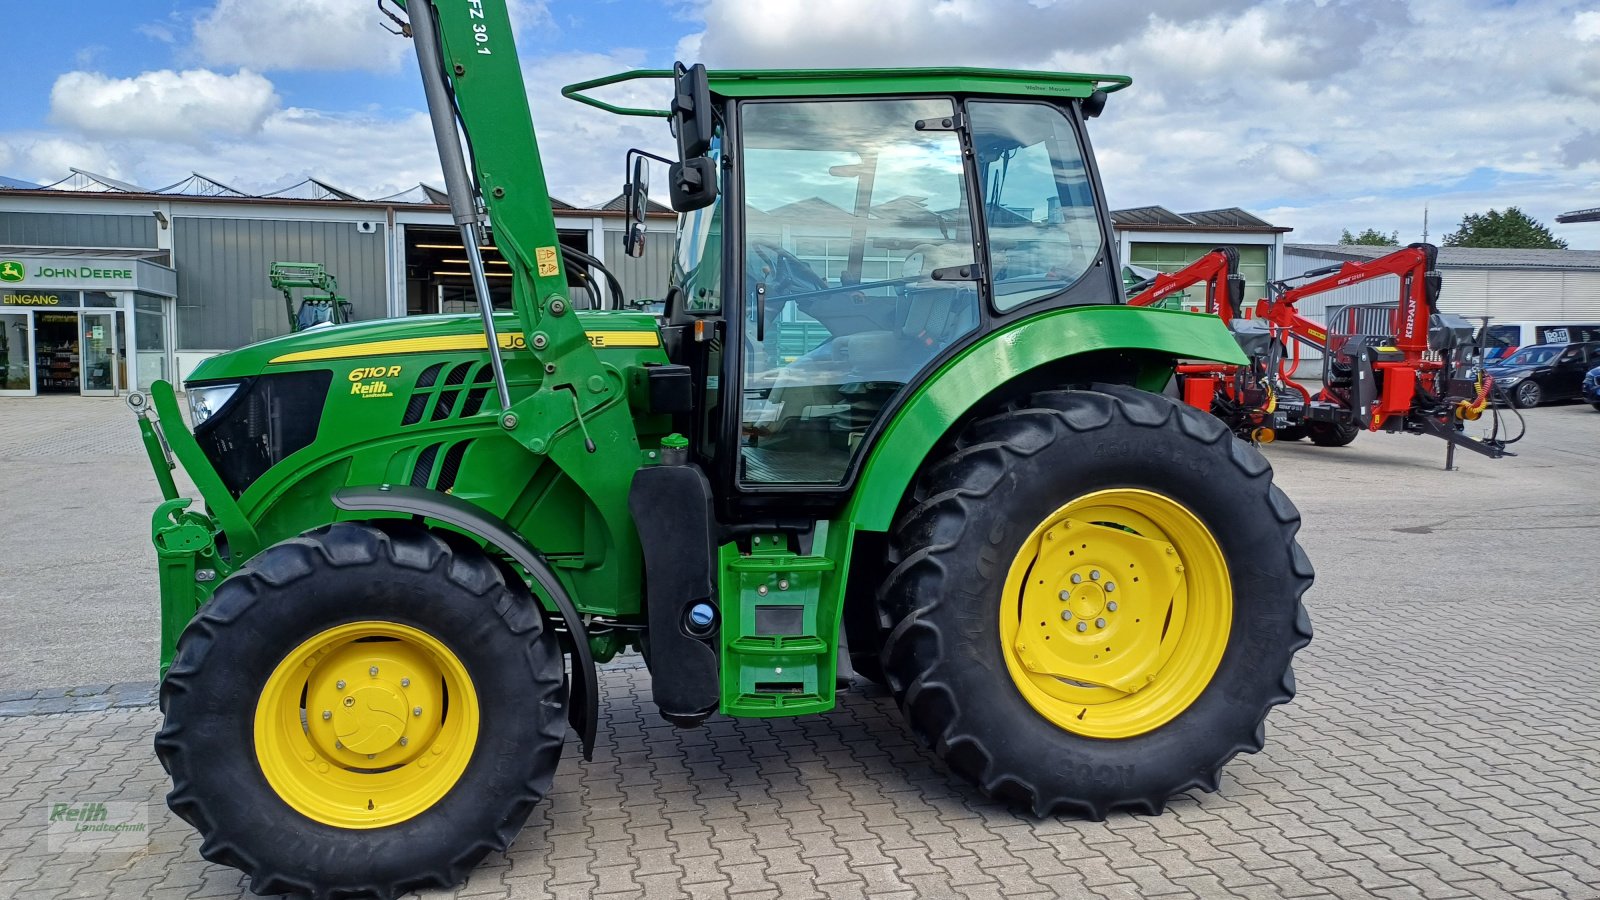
x=775 y=659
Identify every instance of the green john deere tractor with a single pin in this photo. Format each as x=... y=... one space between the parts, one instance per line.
x=894 y=404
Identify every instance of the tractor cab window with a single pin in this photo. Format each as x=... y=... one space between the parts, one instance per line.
x=849 y=210
x=1044 y=231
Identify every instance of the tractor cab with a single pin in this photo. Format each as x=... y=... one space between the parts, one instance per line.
x=857 y=243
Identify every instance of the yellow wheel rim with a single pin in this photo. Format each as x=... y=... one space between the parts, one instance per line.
x=366 y=724
x=1116 y=612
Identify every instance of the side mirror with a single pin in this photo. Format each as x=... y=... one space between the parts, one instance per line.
x=1094 y=104
x=694 y=177
x=691 y=110
x=694 y=184
x=638 y=190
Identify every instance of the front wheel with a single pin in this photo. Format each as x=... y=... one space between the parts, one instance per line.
x=1527 y=395
x=362 y=712
x=1097 y=602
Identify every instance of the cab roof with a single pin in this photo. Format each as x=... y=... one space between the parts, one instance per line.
x=859 y=82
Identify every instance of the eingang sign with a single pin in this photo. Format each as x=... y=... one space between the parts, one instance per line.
x=30 y=297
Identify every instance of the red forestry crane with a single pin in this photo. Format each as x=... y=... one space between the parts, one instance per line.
x=1421 y=374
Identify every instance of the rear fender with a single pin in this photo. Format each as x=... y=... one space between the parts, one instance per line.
x=1157 y=337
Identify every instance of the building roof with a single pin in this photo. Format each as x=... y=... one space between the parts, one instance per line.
x=306 y=192
x=619 y=203
x=1579 y=215
x=1159 y=218
x=1462 y=257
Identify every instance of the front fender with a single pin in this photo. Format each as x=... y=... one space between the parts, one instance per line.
x=471 y=519
x=948 y=394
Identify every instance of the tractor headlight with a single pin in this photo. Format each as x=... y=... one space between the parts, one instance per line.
x=205 y=401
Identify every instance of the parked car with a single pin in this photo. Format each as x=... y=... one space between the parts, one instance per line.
x=1591 y=387
x=1544 y=372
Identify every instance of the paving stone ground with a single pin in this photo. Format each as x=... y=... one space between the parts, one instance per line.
x=1445 y=741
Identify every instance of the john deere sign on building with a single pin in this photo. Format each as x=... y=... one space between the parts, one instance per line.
x=99 y=273
x=91 y=322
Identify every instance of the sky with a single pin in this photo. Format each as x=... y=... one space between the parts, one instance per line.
x=1319 y=115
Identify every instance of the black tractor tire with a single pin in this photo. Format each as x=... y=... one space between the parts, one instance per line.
x=969 y=513
x=352 y=572
x=1291 y=433
x=1596 y=406
x=1527 y=395
x=1331 y=434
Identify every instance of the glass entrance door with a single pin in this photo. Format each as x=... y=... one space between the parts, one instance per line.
x=101 y=356
x=16 y=354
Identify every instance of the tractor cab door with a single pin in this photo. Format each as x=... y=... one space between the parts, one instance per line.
x=858 y=266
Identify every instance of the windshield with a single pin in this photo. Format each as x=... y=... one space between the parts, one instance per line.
x=1533 y=356
x=1043 y=229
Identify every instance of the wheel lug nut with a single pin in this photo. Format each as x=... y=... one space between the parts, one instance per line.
x=372 y=756
x=1111 y=606
x=1099 y=623
x=404 y=741
x=1111 y=586
x=339 y=684
x=416 y=710
x=1066 y=615
x=327 y=714
x=337 y=745
x=1094 y=575
x=1066 y=595
x=1083 y=626
x=1076 y=578
x=373 y=671
x=405 y=682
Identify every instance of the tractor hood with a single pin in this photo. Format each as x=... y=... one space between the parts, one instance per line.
x=401 y=337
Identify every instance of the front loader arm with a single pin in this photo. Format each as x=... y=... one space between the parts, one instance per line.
x=577 y=413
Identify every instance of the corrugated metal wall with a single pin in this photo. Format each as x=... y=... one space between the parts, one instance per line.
x=644 y=278
x=1506 y=295
x=224 y=299
x=29 y=229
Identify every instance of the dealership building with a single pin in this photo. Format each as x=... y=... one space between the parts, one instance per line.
x=106 y=286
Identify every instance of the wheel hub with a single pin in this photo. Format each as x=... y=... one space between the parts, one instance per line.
x=366 y=724
x=1095 y=606
x=379 y=703
x=1116 y=612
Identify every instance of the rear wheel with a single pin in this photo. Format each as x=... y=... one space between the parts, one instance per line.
x=1097 y=602
x=1291 y=433
x=362 y=712
x=1331 y=434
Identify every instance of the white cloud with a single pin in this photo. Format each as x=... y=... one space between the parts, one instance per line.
x=582 y=147
x=1318 y=114
x=307 y=34
x=321 y=35
x=1586 y=25
x=184 y=106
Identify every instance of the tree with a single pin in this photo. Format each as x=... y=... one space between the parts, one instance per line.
x=1513 y=228
x=1372 y=237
